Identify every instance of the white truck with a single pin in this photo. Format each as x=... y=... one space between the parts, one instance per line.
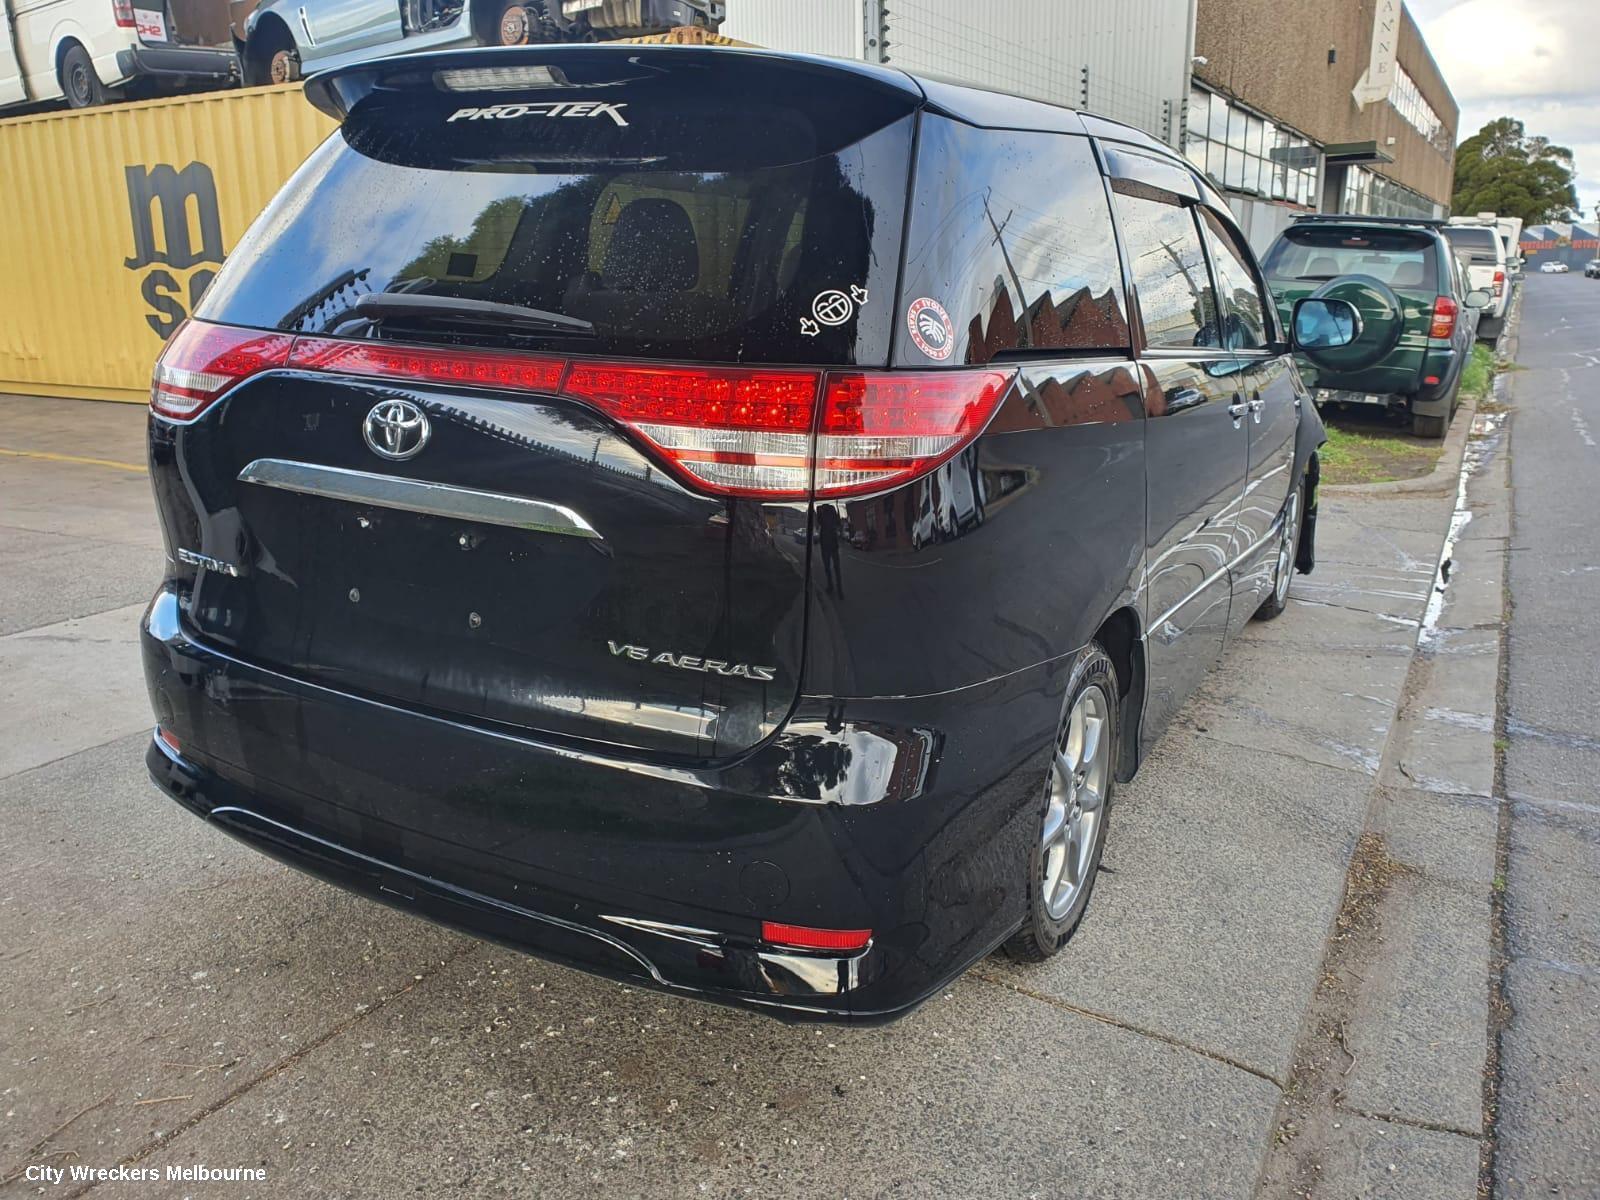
x=92 y=51
x=1481 y=245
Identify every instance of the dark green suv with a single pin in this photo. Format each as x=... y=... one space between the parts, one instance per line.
x=1402 y=278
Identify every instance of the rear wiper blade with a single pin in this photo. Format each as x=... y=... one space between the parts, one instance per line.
x=411 y=306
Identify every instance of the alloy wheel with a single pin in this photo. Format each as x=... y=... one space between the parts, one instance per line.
x=1079 y=778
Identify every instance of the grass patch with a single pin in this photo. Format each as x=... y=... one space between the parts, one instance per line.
x=1359 y=456
x=1478 y=375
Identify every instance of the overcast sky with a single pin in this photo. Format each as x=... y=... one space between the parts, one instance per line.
x=1530 y=59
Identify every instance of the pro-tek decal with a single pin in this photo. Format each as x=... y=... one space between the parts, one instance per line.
x=930 y=328
x=690 y=662
x=510 y=112
x=831 y=308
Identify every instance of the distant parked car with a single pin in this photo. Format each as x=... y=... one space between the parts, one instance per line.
x=1553 y=268
x=1591 y=269
x=284 y=39
x=1387 y=267
x=1479 y=243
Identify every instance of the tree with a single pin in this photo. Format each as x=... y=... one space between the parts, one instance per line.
x=1501 y=169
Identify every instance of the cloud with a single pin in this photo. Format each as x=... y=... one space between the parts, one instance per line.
x=1529 y=59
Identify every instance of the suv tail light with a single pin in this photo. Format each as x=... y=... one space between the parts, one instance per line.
x=1499 y=282
x=201 y=361
x=122 y=13
x=775 y=433
x=1445 y=311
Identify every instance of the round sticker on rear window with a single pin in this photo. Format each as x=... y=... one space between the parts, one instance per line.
x=930 y=328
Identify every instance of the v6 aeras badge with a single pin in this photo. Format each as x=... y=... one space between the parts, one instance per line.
x=689 y=662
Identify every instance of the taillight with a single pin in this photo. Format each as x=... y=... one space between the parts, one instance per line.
x=747 y=432
x=804 y=937
x=520 y=372
x=122 y=13
x=1499 y=282
x=1445 y=311
x=736 y=431
x=881 y=429
x=771 y=432
x=202 y=361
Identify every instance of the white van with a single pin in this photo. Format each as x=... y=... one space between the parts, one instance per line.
x=1479 y=244
x=93 y=51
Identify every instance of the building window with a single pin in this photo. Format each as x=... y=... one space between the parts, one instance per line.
x=1374 y=196
x=1408 y=101
x=1245 y=152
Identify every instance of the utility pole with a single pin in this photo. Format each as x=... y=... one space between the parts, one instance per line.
x=1024 y=334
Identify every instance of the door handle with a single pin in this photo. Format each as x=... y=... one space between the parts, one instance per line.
x=1237 y=409
x=1256 y=405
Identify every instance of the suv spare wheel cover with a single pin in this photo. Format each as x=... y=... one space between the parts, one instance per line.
x=1382 y=321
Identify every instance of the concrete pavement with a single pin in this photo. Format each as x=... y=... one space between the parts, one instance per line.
x=175 y=999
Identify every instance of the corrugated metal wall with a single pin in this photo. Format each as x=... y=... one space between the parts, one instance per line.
x=116 y=216
x=1136 y=51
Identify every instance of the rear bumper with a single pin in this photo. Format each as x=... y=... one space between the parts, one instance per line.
x=660 y=876
x=176 y=63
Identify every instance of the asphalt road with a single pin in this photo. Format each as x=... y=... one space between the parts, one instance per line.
x=174 y=999
x=1550 y=1089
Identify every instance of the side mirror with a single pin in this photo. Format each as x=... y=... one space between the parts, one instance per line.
x=1478 y=298
x=1324 y=323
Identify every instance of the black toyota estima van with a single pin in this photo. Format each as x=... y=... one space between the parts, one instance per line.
x=719 y=519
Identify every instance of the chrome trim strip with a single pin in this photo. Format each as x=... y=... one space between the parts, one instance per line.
x=418 y=496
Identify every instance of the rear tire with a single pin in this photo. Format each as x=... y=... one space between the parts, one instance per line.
x=1070 y=831
x=79 y=83
x=1427 y=427
x=1288 y=550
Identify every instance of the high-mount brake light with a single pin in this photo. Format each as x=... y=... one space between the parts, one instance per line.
x=498 y=79
x=804 y=937
x=202 y=361
x=776 y=433
x=427 y=364
x=1445 y=311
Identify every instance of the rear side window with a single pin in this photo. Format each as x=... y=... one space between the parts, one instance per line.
x=1173 y=288
x=1010 y=248
x=674 y=224
x=1398 y=258
x=1477 y=243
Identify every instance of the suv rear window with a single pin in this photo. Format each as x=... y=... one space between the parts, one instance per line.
x=677 y=225
x=1478 y=242
x=1399 y=258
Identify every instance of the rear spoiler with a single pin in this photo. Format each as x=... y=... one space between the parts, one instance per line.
x=519 y=70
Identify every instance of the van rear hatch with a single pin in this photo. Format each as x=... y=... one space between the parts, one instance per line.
x=480 y=366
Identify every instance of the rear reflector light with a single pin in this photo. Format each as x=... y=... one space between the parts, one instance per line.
x=1430 y=380
x=169 y=739
x=803 y=937
x=201 y=361
x=1444 y=318
x=774 y=433
x=122 y=13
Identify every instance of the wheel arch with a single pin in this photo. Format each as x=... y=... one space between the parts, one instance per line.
x=1122 y=637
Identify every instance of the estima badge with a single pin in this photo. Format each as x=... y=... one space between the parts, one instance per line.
x=396 y=429
x=510 y=112
x=690 y=662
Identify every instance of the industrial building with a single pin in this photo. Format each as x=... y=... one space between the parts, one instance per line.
x=1288 y=105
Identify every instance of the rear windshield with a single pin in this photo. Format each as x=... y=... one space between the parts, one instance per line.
x=1478 y=242
x=1396 y=257
x=671 y=224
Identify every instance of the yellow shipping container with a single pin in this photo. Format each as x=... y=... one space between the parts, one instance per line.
x=119 y=217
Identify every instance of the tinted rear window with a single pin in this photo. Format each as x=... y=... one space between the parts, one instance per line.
x=678 y=225
x=1398 y=258
x=1011 y=238
x=1478 y=242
